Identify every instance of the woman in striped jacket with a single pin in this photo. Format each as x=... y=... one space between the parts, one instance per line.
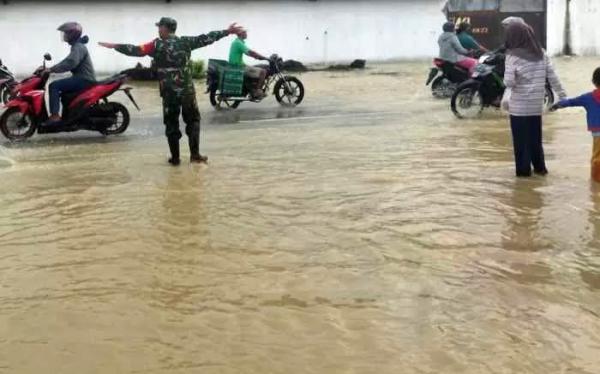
x=527 y=70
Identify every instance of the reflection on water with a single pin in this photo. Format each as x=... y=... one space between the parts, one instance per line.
x=367 y=231
x=523 y=232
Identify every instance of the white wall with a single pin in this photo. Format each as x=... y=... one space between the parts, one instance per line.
x=556 y=26
x=584 y=25
x=585 y=33
x=310 y=31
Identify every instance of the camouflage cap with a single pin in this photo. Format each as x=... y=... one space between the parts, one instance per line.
x=168 y=22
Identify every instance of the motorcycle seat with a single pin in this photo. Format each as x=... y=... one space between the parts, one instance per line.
x=447 y=64
x=108 y=80
x=70 y=96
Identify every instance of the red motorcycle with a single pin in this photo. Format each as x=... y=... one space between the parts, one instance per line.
x=85 y=110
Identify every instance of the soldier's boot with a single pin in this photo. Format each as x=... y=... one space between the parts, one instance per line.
x=174 y=148
x=195 y=156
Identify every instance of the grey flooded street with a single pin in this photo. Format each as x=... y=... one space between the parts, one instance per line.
x=366 y=231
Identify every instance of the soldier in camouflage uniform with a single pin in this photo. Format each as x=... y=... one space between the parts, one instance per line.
x=172 y=55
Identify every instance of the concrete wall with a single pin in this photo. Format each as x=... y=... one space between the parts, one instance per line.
x=556 y=26
x=585 y=33
x=310 y=31
x=584 y=26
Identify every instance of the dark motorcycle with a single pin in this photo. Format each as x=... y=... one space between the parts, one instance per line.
x=7 y=82
x=485 y=89
x=445 y=76
x=88 y=109
x=228 y=87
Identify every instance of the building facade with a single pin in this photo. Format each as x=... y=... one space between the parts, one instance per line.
x=306 y=30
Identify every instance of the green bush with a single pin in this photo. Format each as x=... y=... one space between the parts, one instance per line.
x=198 y=69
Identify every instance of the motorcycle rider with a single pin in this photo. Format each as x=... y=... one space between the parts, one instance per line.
x=7 y=80
x=78 y=62
x=236 y=57
x=466 y=40
x=510 y=20
x=452 y=51
x=172 y=56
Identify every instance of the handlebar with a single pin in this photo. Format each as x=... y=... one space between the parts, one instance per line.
x=38 y=72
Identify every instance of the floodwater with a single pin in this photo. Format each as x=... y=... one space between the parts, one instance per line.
x=366 y=231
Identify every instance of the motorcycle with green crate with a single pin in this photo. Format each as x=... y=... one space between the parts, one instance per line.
x=228 y=87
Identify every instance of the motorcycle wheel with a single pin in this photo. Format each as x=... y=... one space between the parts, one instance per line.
x=467 y=102
x=548 y=99
x=15 y=125
x=121 y=122
x=219 y=103
x=442 y=88
x=292 y=96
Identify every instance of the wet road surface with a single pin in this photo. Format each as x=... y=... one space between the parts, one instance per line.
x=365 y=231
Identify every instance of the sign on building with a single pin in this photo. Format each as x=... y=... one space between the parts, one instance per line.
x=485 y=17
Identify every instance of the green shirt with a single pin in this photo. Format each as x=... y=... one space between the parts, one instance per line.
x=467 y=41
x=237 y=51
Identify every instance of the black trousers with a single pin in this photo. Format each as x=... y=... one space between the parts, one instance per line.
x=527 y=143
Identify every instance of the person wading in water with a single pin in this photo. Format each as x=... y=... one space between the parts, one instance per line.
x=172 y=56
x=527 y=69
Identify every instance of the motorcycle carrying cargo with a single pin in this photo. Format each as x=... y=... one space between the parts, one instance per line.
x=231 y=78
x=228 y=87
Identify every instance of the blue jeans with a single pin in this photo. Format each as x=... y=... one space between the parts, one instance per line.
x=63 y=86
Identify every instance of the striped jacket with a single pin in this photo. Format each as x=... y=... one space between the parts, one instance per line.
x=527 y=80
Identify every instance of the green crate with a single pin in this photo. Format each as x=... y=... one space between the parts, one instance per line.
x=231 y=78
x=232 y=82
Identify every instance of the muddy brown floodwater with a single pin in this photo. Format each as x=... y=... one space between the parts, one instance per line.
x=366 y=231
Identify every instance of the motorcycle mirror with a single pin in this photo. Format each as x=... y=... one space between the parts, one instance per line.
x=47 y=57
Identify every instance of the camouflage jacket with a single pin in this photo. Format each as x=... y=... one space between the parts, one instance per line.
x=172 y=58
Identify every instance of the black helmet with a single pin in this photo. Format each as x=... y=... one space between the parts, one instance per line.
x=448 y=27
x=72 y=31
x=168 y=22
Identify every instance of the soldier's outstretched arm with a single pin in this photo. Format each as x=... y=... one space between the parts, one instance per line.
x=130 y=49
x=213 y=36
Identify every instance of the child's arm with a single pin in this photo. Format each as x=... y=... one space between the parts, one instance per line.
x=578 y=101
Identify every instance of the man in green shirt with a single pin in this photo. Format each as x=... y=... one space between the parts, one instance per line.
x=466 y=40
x=236 y=57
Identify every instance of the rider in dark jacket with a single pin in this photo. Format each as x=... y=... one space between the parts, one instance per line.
x=78 y=62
